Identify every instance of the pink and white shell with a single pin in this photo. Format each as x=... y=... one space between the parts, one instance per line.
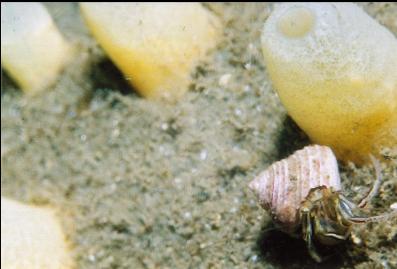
x=286 y=183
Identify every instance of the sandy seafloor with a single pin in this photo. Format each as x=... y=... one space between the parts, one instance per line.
x=140 y=184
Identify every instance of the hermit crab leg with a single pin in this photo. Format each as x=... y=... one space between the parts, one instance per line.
x=337 y=236
x=376 y=186
x=382 y=217
x=307 y=235
x=346 y=211
x=329 y=227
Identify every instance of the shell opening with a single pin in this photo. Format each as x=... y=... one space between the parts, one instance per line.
x=296 y=22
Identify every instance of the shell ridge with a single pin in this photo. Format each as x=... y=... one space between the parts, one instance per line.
x=281 y=190
x=329 y=174
x=283 y=187
x=267 y=189
x=305 y=179
x=290 y=199
x=275 y=187
x=272 y=184
x=312 y=172
x=258 y=185
x=300 y=181
x=318 y=161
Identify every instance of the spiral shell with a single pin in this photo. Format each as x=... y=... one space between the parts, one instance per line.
x=285 y=184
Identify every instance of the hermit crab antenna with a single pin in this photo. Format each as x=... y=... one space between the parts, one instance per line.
x=382 y=217
x=376 y=186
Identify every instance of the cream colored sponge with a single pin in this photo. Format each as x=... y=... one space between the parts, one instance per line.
x=31 y=238
x=155 y=45
x=32 y=50
x=335 y=70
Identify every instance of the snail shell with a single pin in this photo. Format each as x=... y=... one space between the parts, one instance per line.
x=285 y=184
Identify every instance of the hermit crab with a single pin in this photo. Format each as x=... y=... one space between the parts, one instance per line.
x=303 y=195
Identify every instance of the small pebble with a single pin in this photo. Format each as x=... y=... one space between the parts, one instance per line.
x=224 y=79
x=247 y=66
x=116 y=133
x=164 y=126
x=254 y=258
x=91 y=258
x=356 y=240
x=203 y=155
x=187 y=215
x=233 y=210
x=247 y=88
x=238 y=112
x=177 y=180
x=83 y=137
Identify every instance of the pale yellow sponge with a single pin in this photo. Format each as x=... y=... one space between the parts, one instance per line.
x=33 y=52
x=155 y=45
x=31 y=238
x=335 y=70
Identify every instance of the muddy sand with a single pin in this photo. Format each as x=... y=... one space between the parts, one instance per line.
x=140 y=184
